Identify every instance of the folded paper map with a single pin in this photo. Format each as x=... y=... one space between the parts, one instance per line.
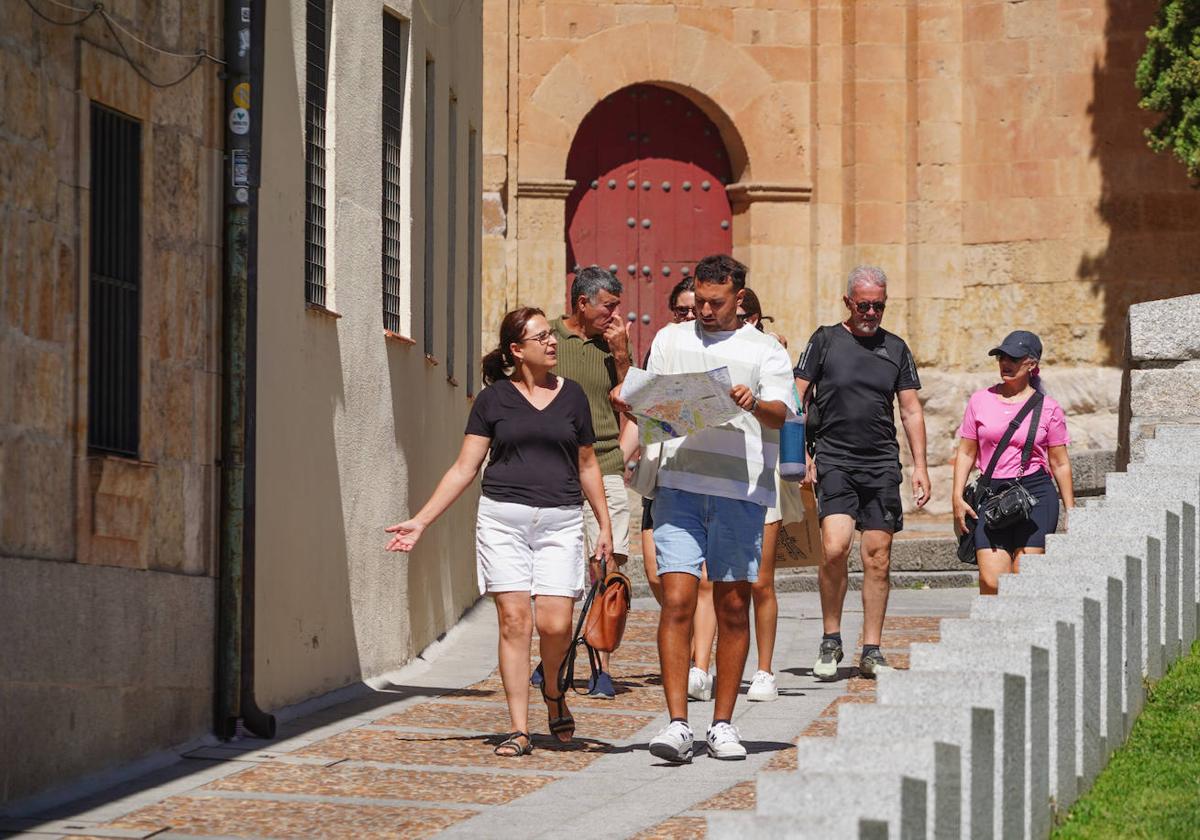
x=673 y=405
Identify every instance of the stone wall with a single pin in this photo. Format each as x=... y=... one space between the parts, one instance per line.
x=1162 y=376
x=119 y=552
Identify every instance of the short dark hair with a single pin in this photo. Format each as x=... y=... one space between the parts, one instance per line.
x=719 y=267
x=687 y=284
x=590 y=281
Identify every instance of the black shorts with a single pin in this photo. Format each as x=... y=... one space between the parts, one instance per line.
x=1043 y=519
x=873 y=500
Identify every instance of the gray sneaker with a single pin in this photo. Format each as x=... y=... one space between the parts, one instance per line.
x=872 y=664
x=827 y=660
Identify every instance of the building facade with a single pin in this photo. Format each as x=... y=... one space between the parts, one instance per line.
x=368 y=284
x=111 y=278
x=111 y=273
x=988 y=155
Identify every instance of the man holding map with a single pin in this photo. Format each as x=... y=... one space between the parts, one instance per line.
x=714 y=487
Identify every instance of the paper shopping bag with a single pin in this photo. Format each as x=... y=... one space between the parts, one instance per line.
x=799 y=541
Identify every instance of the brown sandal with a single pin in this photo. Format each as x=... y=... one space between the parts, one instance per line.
x=512 y=747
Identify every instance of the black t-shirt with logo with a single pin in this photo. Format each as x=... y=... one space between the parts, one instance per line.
x=855 y=396
x=534 y=456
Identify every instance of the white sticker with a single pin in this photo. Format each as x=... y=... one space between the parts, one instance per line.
x=242 y=195
x=245 y=14
x=239 y=121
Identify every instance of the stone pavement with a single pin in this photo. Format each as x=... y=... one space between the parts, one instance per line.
x=413 y=757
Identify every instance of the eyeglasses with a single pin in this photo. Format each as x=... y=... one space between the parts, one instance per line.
x=683 y=311
x=542 y=338
x=865 y=306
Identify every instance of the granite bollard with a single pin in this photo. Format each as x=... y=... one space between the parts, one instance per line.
x=937 y=763
x=964 y=638
x=1005 y=694
x=1075 y=678
x=1105 y=587
x=972 y=729
x=1014 y=657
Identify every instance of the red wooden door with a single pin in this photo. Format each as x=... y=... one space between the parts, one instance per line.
x=649 y=198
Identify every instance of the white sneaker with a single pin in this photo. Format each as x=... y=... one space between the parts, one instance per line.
x=725 y=743
x=674 y=743
x=700 y=684
x=763 y=688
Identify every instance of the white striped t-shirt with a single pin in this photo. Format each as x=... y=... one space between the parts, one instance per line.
x=737 y=459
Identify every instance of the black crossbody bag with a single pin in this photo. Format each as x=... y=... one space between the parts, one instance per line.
x=1013 y=503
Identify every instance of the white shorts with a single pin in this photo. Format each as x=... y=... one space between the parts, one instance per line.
x=616 y=495
x=775 y=512
x=520 y=548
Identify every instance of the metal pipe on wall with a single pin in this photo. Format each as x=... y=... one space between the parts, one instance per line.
x=234 y=697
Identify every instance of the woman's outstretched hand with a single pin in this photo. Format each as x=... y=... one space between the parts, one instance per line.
x=407 y=533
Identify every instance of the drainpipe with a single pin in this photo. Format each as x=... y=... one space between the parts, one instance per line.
x=243 y=141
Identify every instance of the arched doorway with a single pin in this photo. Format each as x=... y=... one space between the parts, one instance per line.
x=650 y=171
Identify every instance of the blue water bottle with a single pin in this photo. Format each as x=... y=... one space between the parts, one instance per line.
x=792 y=456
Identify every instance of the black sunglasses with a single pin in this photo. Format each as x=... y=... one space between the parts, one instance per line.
x=865 y=306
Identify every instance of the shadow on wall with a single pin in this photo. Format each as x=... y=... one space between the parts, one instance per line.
x=1146 y=201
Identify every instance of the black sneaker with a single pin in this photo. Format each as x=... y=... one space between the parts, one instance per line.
x=873 y=663
x=827 y=660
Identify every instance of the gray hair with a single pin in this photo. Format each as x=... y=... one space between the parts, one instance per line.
x=865 y=275
x=591 y=281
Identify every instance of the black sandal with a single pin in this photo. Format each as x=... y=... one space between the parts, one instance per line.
x=513 y=747
x=564 y=722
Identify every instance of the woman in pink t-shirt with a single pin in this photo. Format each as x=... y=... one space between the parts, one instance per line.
x=988 y=414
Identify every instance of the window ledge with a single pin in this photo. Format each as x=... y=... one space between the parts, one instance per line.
x=317 y=309
x=400 y=339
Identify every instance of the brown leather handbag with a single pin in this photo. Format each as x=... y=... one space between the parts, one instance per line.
x=605 y=623
x=600 y=627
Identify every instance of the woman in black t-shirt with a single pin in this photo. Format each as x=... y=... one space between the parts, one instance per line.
x=537 y=429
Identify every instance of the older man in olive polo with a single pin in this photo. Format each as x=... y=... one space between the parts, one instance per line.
x=593 y=350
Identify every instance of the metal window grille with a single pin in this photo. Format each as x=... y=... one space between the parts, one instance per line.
x=316 y=71
x=394 y=66
x=114 y=316
x=430 y=190
x=451 y=230
x=473 y=230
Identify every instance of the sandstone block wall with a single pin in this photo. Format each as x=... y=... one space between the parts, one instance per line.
x=108 y=561
x=989 y=155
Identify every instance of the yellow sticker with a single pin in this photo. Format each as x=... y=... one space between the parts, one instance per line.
x=241 y=95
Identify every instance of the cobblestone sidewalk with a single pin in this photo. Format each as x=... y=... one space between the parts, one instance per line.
x=414 y=758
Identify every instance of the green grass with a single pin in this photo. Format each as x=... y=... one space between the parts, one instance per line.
x=1151 y=786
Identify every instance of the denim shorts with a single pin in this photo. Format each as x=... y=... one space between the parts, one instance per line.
x=691 y=530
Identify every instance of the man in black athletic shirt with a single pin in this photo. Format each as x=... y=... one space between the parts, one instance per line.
x=857 y=368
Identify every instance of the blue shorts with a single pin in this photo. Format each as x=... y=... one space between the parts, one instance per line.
x=691 y=530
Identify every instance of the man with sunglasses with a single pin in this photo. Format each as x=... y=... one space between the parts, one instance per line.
x=857 y=369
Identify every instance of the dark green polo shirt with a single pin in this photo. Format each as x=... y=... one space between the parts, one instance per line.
x=591 y=364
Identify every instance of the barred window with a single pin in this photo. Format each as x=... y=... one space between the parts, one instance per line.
x=451 y=231
x=316 y=73
x=473 y=230
x=114 y=303
x=395 y=48
x=430 y=192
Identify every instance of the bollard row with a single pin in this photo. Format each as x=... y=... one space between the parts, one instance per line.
x=1011 y=715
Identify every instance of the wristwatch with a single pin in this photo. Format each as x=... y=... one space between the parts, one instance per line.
x=754 y=405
